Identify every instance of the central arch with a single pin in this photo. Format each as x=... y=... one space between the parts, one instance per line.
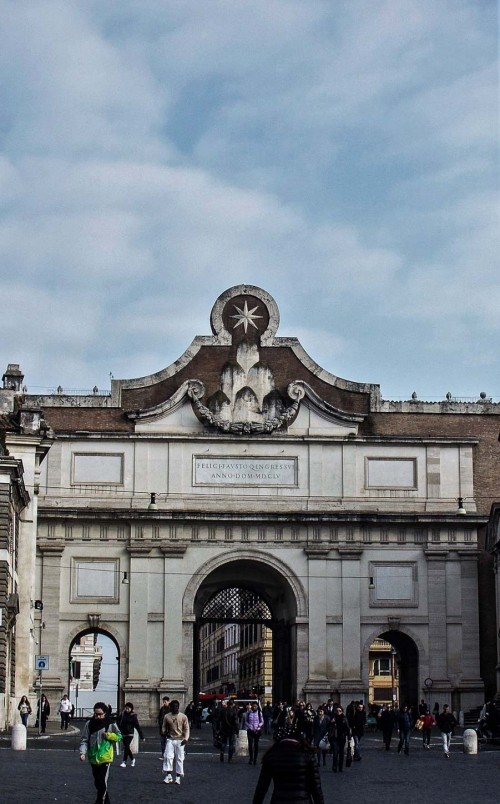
x=275 y=585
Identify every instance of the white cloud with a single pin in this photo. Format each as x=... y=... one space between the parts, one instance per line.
x=343 y=157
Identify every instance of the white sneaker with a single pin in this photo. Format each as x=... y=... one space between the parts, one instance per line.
x=178 y=780
x=123 y=765
x=168 y=779
x=132 y=764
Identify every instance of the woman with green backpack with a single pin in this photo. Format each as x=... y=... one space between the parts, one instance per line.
x=99 y=736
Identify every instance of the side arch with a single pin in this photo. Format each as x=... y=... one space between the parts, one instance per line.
x=412 y=659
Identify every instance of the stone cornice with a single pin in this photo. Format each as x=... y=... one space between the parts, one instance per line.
x=173 y=550
x=53 y=547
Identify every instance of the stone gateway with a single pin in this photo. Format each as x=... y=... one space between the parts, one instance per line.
x=335 y=508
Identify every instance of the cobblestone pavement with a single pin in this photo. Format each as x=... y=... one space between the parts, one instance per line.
x=50 y=770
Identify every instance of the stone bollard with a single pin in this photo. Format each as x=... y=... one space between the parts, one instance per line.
x=241 y=744
x=470 y=741
x=18 y=740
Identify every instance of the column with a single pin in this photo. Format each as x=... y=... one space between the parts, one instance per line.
x=351 y=621
x=317 y=685
x=436 y=603
x=174 y=635
x=56 y=677
x=138 y=618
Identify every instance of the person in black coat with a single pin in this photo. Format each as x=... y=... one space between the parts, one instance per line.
x=387 y=720
x=127 y=722
x=291 y=766
x=357 y=725
x=339 y=732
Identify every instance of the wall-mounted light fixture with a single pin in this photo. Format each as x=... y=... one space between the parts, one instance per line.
x=461 y=510
x=152 y=503
x=371 y=584
x=125 y=578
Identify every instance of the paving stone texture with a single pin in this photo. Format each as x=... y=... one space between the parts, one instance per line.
x=50 y=771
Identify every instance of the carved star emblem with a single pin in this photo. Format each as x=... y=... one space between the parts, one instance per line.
x=246 y=317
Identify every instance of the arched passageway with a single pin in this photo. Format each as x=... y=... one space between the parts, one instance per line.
x=407 y=661
x=249 y=606
x=93 y=670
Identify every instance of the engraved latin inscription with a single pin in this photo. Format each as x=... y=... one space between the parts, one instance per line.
x=229 y=471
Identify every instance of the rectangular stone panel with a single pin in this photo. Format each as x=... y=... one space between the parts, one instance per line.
x=246 y=471
x=97 y=468
x=391 y=473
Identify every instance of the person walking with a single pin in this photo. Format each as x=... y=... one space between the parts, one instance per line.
x=227 y=727
x=405 y=724
x=267 y=714
x=97 y=745
x=176 y=730
x=387 y=722
x=164 y=710
x=446 y=722
x=291 y=766
x=358 y=728
x=24 y=708
x=254 y=721
x=127 y=723
x=320 y=734
x=339 y=731
x=428 y=721
x=64 y=710
x=43 y=712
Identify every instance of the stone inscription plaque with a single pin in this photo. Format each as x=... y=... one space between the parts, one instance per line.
x=236 y=471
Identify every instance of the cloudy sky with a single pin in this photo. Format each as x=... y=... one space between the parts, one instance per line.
x=340 y=154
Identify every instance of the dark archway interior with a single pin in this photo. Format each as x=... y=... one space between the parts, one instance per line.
x=407 y=660
x=273 y=589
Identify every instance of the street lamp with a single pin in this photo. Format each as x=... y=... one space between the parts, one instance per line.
x=393 y=674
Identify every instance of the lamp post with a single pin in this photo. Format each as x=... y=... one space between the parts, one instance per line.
x=393 y=674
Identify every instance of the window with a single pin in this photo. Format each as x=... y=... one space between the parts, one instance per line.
x=382 y=667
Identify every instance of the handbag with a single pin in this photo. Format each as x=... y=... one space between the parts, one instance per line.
x=324 y=744
x=419 y=724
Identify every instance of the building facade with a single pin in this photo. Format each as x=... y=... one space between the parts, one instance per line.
x=335 y=508
x=23 y=446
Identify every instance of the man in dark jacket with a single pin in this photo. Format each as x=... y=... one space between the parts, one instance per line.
x=405 y=724
x=227 y=727
x=446 y=722
x=292 y=768
x=357 y=725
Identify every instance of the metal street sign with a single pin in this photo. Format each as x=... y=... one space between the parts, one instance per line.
x=42 y=662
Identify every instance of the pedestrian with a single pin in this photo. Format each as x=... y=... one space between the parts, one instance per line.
x=176 y=730
x=64 y=711
x=127 y=723
x=227 y=727
x=387 y=720
x=320 y=734
x=96 y=744
x=24 y=707
x=198 y=715
x=164 y=710
x=339 y=731
x=446 y=722
x=422 y=708
x=405 y=724
x=435 y=711
x=267 y=714
x=291 y=766
x=190 y=712
x=43 y=712
x=428 y=721
x=358 y=724
x=254 y=722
